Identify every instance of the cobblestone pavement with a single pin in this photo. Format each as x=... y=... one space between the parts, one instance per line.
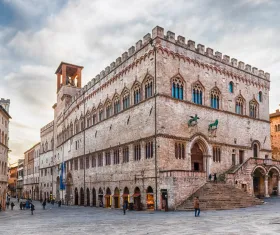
x=263 y=219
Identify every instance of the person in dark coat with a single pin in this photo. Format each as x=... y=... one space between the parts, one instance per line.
x=32 y=208
x=210 y=177
x=44 y=204
x=125 y=206
x=20 y=205
x=59 y=203
x=215 y=178
x=12 y=205
x=7 y=204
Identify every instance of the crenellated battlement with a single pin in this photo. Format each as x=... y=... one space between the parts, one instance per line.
x=158 y=32
x=47 y=126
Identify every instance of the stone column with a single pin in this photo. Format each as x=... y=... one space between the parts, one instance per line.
x=278 y=188
x=266 y=186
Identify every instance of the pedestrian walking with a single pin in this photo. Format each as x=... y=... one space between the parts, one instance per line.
x=20 y=205
x=18 y=199
x=210 y=177
x=12 y=205
x=59 y=203
x=215 y=178
x=196 y=207
x=44 y=204
x=7 y=204
x=32 y=208
x=125 y=206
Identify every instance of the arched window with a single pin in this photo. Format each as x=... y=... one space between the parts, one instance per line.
x=117 y=105
x=177 y=88
x=125 y=99
x=148 y=84
x=101 y=115
x=275 y=128
x=253 y=106
x=255 y=150
x=239 y=105
x=197 y=93
x=230 y=87
x=108 y=109
x=136 y=93
x=260 y=96
x=215 y=98
x=278 y=129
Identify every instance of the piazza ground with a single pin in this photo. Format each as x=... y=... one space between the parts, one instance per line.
x=264 y=219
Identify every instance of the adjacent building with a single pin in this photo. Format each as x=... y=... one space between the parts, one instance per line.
x=20 y=175
x=31 y=173
x=154 y=124
x=12 y=179
x=4 y=149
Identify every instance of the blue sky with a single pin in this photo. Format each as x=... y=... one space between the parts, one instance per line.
x=36 y=35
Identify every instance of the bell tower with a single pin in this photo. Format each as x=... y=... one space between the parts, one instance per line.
x=69 y=75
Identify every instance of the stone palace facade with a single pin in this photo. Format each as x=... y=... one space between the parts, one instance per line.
x=4 y=149
x=154 y=124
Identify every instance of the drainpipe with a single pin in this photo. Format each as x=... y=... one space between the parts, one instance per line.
x=155 y=94
x=84 y=145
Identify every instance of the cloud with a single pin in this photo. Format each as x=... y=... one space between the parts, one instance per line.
x=94 y=33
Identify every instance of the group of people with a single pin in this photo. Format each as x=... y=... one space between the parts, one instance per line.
x=214 y=177
x=22 y=205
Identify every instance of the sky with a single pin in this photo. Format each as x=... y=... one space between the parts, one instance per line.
x=36 y=35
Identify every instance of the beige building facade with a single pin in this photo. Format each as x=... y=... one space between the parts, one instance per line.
x=4 y=149
x=153 y=125
x=31 y=173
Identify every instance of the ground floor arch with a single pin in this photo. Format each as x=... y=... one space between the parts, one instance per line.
x=259 y=177
x=273 y=181
x=69 y=188
x=100 y=197
x=93 y=197
x=76 y=196
x=108 y=198
x=125 y=195
x=82 y=197
x=137 y=199
x=88 y=197
x=116 y=198
x=150 y=198
x=57 y=194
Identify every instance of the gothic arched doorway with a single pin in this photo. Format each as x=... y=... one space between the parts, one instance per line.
x=108 y=197
x=93 y=197
x=259 y=174
x=76 y=197
x=88 y=197
x=137 y=199
x=69 y=185
x=125 y=195
x=117 y=198
x=273 y=179
x=57 y=195
x=150 y=198
x=197 y=158
x=82 y=195
x=100 y=197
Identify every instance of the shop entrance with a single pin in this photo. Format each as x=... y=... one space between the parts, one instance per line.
x=117 y=198
x=108 y=198
x=164 y=199
x=93 y=197
x=150 y=198
x=76 y=197
x=137 y=199
x=100 y=197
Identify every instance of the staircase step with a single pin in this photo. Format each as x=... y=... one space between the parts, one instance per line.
x=220 y=196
